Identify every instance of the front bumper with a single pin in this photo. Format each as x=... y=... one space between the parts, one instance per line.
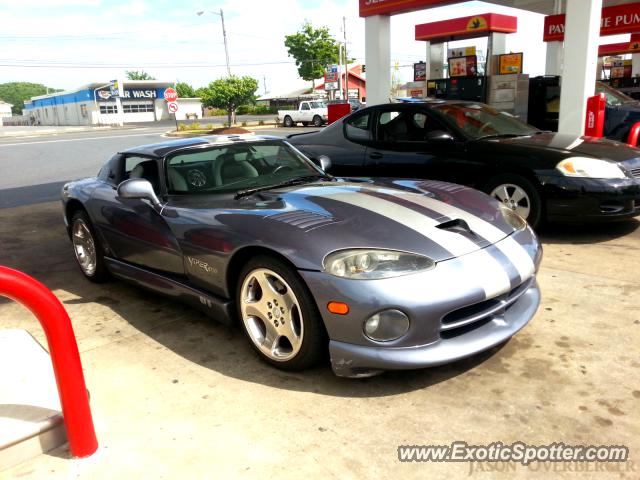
x=452 y=314
x=588 y=199
x=349 y=360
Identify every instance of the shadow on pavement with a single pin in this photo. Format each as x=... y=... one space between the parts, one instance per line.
x=587 y=233
x=46 y=192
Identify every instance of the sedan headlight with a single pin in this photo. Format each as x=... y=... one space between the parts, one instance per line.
x=589 y=168
x=365 y=264
x=512 y=218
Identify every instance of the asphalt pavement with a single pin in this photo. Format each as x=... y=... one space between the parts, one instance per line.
x=33 y=169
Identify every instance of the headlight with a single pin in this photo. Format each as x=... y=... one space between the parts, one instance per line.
x=512 y=218
x=589 y=168
x=365 y=264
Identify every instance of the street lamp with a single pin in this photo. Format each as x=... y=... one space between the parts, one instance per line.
x=224 y=35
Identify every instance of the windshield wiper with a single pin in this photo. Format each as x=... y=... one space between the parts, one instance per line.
x=292 y=181
x=503 y=135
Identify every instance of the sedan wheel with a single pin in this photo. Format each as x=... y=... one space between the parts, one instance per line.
x=519 y=194
x=514 y=197
x=278 y=315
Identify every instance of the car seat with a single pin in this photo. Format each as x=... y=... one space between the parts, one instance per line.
x=147 y=170
x=226 y=169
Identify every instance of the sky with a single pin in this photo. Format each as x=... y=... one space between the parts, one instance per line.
x=69 y=43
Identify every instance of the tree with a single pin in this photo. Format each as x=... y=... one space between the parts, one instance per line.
x=138 y=75
x=313 y=49
x=185 y=90
x=16 y=93
x=229 y=93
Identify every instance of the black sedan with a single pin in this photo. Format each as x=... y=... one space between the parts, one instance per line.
x=541 y=175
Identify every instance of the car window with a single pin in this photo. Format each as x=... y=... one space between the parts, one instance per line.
x=142 y=167
x=405 y=126
x=478 y=120
x=357 y=128
x=235 y=167
x=305 y=106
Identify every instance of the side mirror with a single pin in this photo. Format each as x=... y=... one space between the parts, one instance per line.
x=325 y=162
x=138 y=188
x=439 y=136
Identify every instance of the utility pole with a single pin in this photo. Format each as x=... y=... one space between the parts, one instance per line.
x=264 y=83
x=346 y=66
x=226 y=48
x=224 y=36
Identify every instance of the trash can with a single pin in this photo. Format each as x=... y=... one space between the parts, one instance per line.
x=336 y=111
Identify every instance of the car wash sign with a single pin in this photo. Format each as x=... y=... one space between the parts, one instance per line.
x=128 y=93
x=614 y=20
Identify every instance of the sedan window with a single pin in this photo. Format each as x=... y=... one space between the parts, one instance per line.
x=479 y=120
x=357 y=128
x=405 y=126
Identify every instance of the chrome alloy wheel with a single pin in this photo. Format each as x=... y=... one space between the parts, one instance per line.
x=271 y=314
x=84 y=247
x=514 y=197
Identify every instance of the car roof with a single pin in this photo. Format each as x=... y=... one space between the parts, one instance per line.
x=164 y=148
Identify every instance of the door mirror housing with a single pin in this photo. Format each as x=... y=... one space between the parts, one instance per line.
x=439 y=136
x=138 y=188
x=325 y=162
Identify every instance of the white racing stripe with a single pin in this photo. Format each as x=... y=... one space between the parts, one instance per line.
x=511 y=248
x=489 y=272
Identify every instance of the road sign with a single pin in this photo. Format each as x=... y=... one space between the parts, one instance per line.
x=170 y=95
x=172 y=106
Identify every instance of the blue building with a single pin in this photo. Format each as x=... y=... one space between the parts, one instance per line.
x=115 y=103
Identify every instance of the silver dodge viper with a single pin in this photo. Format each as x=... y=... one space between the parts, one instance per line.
x=379 y=274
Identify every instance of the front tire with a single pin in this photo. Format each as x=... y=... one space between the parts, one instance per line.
x=317 y=121
x=519 y=194
x=87 y=248
x=279 y=315
x=288 y=121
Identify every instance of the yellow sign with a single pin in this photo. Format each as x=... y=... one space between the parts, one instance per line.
x=511 y=63
x=477 y=23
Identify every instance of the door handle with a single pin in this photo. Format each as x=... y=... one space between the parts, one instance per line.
x=375 y=155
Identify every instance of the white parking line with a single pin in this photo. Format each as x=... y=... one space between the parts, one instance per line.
x=81 y=139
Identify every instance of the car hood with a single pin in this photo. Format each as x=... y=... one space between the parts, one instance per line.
x=436 y=219
x=574 y=145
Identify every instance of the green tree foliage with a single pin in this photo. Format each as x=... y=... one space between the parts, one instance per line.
x=313 y=49
x=138 y=75
x=229 y=93
x=185 y=90
x=16 y=93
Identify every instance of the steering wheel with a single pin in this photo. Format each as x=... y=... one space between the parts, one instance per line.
x=281 y=168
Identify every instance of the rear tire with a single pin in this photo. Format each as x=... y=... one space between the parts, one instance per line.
x=288 y=121
x=87 y=248
x=317 y=121
x=279 y=315
x=519 y=194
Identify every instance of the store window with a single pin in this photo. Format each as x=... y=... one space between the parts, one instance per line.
x=108 y=108
x=137 y=107
x=83 y=109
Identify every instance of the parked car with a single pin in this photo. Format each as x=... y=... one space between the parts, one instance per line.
x=540 y=175
x=309 y=112
x=386 y=274
x=621 y=111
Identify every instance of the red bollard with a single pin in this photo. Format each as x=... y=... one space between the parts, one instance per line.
x=64 y=355
x=634 y=132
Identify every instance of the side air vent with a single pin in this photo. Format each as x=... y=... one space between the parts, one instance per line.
x=304 y=219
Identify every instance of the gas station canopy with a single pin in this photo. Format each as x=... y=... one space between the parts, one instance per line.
x=572 y=51
x=466 y=27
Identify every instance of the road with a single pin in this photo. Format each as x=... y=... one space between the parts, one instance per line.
x=32 y=170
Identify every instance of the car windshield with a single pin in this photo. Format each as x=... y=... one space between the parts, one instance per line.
x=317 y=104
x=239 y=166
x=479 y=121
x=613 y=97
